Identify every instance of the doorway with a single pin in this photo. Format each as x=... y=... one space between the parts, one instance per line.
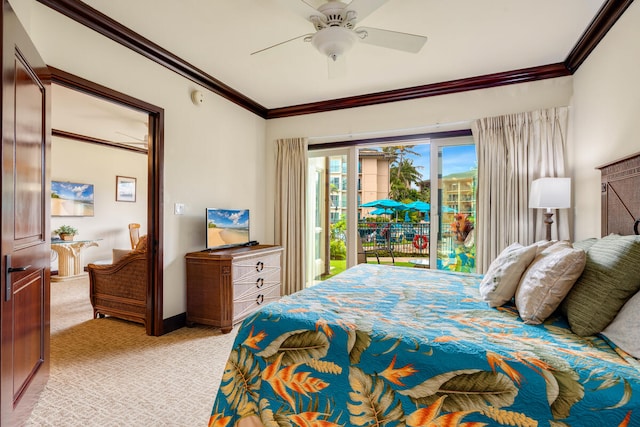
x=155 y=140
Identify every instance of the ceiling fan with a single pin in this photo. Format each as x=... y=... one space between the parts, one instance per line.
x=336 y=31
x=144 y=141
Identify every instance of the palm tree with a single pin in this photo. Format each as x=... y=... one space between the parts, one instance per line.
x=398 y=154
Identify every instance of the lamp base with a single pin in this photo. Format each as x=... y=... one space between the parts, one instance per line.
x=548 y=221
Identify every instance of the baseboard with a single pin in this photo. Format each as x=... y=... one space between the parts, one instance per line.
x=174 y=323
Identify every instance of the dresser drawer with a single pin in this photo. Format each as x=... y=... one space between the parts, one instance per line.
x=250 y=302
x=251 y=284
x=246 y=270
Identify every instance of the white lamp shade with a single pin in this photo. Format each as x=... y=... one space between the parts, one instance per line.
x=550 y=193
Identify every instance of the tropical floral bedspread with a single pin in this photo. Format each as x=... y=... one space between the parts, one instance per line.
x=395 y=346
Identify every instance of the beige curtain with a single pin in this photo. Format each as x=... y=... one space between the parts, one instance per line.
x=513 y=150
x=290 y=210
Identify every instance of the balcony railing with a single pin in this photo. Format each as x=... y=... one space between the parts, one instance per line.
x=404 y=239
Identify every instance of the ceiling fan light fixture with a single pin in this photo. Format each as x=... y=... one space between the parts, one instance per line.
x=333 y=42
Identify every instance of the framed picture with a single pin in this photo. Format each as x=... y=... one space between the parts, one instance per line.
x=71 y=199
x=125 y=189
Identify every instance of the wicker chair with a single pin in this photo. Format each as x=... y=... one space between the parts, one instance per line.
x=134 y=234
x=120 y=289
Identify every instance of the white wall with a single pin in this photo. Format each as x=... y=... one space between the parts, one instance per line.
x=85 y=163
x=606 y=112
x=214 y=153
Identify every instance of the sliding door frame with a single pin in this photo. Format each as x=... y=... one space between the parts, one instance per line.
x=350 y=148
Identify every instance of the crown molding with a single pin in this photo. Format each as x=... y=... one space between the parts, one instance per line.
x=604 y=20
x=453 y=86
x=101 y=23
x=91 y=18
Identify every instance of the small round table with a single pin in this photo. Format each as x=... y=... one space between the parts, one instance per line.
x=70 y=257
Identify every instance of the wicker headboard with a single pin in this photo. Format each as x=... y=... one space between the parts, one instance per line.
x=620 y=191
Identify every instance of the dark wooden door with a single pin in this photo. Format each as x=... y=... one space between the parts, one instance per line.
x=24 y=354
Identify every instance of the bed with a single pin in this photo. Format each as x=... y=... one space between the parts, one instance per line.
x=396 y=346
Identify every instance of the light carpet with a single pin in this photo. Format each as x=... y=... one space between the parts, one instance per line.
x=108 y=372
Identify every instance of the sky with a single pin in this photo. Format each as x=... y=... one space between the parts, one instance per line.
x=229 y=218
x=72 y=190
x=455 y=159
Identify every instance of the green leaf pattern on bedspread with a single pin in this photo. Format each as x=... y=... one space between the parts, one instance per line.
x=389 y=346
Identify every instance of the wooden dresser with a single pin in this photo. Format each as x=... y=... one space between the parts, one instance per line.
x=225 y=286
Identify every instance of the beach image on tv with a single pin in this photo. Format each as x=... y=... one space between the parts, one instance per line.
x=71 y=199
x=227 y=227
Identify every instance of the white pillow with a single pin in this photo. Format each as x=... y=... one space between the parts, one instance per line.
x=501 y=280
x=547 y=280
x=624 y=330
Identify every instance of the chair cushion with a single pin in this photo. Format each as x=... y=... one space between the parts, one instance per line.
x=118 y=254
x=142 y=244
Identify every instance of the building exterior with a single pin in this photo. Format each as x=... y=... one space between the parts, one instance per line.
x=459 y=192
x=373 y=182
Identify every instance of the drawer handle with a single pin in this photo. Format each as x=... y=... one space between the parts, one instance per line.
x=260 y=299
x=259 y=283
x=259 y=266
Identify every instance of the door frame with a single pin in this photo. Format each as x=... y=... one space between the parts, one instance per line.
x=154 y=312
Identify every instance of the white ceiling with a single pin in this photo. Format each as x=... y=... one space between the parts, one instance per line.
x=466 y=38
x=81 y=114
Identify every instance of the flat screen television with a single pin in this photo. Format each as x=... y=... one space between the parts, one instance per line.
x=227 y=228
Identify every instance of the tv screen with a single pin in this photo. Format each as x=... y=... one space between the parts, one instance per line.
x=227 y=227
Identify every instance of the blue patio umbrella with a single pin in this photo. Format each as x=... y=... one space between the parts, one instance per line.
x=419 y=205
x=383 y=204
x=381 y=211
x=392 y=205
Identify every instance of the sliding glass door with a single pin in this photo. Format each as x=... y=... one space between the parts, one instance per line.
x=409 y=203
x=329 y=186
x=456 y=178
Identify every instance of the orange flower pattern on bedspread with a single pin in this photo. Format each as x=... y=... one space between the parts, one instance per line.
x=393 y=346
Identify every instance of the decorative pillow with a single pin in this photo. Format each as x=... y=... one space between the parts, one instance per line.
x=501 y=280
x=585 y=244
x=611 y=276
x=624 y=331
x=544 y=244
x=548 y=280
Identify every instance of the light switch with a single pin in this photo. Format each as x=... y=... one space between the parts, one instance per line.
x=178 y=209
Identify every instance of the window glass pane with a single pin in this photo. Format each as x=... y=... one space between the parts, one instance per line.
x=457 y=188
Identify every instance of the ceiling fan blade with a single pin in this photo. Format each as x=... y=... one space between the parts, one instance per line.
x=301 y=8
x=337 y=67
x=391 y=39
x=281 y=43
x=364 y=8
x=142 y=140
x=315 y=3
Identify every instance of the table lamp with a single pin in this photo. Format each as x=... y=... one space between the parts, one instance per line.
x=550 y=193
